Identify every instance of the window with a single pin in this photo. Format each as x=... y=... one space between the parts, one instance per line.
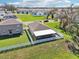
x=10 y=31
x=18 y=26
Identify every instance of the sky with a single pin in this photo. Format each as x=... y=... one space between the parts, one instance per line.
x=41 y=3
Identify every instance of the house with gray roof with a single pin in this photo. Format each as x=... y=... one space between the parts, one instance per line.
x=42 y=33
x=9 y=16
x=10 y=27
x=22 y=11
x=39 y=13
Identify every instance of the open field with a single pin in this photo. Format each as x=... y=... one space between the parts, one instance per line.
x=25 y=17
x=18 y=39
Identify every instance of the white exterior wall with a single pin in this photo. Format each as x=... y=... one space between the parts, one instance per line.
x=4 y=29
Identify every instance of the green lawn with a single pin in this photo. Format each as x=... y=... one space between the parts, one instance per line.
x=55 y=26
x=7 y=41
x=25 y=17
x=50 y=50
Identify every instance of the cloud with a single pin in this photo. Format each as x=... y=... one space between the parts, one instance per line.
x=53 y=3
x=67 y=1
x=42 y=3
x=16 y=3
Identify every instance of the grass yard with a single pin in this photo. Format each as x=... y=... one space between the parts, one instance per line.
x=55 y=26
x=7 y=41
x=25 y=17
x=50 y=50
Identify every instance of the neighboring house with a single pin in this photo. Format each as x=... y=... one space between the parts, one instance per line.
x=10 y=16
x=1 y=18
x=39 y=13
x=2 y=13
x=22 y=11
x=34 y=12
x=9 y=12
x=42 y=32
x=10 y=27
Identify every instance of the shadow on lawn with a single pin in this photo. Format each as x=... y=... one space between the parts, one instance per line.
x=9 y=36
x=27 y=36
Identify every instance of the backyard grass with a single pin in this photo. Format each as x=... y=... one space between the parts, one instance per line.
x=18 y=39
x=55 y=26
x=25 y=17
x=50 y=50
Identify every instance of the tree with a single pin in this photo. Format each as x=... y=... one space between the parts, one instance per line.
x=64 y=20
x=10 y=7
x=50 y=13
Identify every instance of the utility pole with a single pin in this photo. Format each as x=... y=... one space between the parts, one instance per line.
x=71 y=6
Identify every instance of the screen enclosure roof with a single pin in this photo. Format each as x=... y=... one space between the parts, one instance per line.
x=44 y=32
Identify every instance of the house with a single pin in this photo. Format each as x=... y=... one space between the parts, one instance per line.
x=2 y=13
x=22 y=11
x=9 y=12
x=10 y=27
x=1 y=18
x=34 y=12
x=42 y=32
x=9 y=16
x=39 y=13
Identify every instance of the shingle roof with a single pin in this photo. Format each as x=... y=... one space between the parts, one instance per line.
x=36 y=26
x=10 y=22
